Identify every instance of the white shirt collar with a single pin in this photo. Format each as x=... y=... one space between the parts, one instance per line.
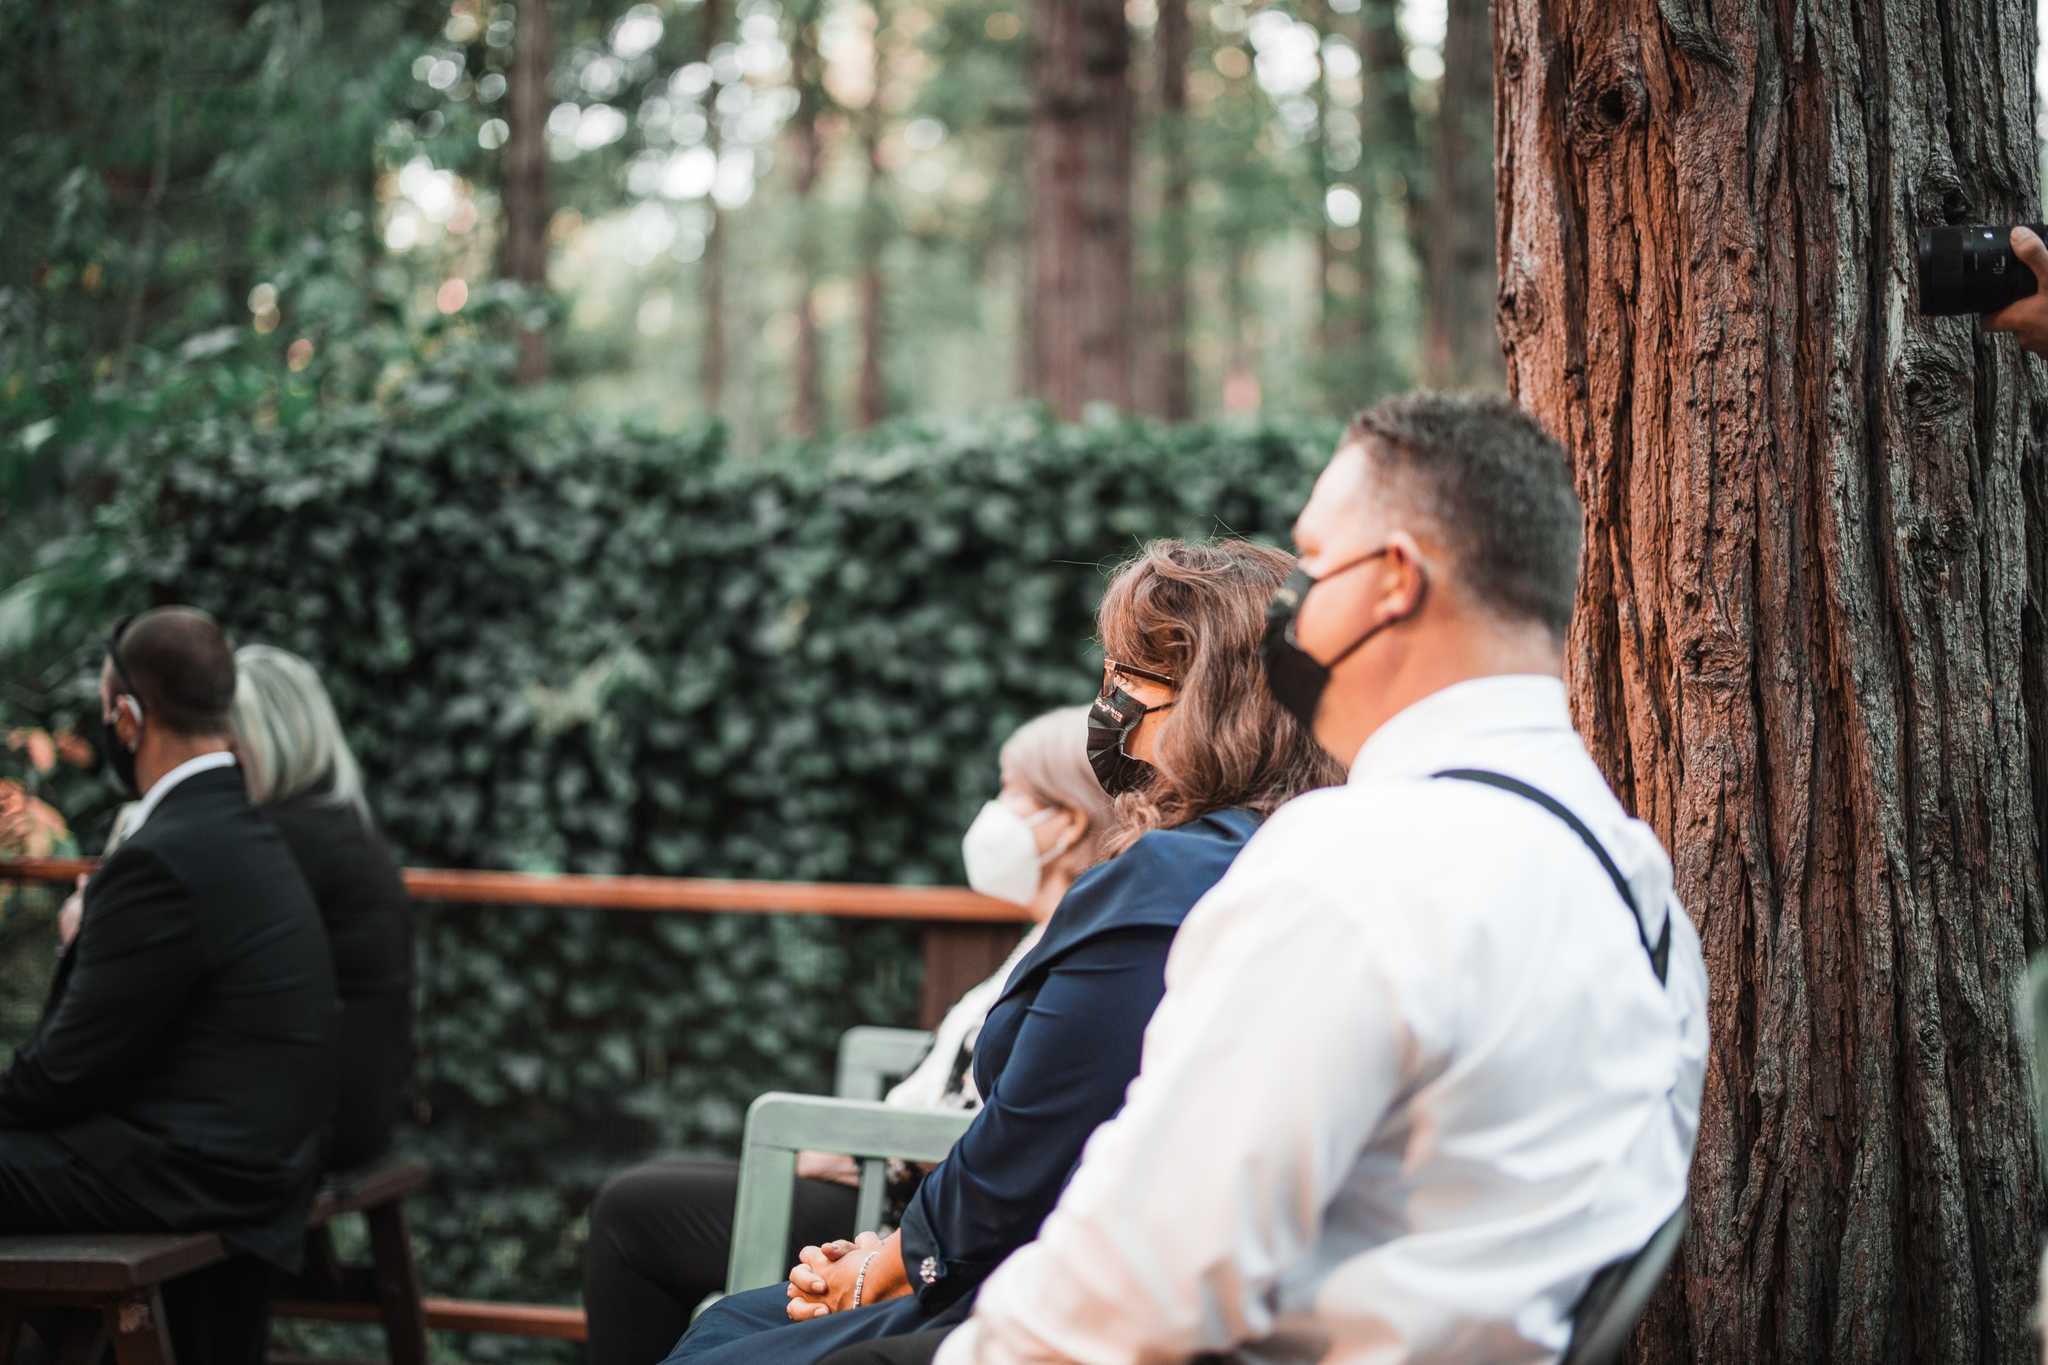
x=219 y=758
x=1417 y=739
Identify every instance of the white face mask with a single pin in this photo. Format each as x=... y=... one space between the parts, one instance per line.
x=1001 y=855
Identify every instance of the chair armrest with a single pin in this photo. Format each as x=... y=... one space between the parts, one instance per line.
x=779 y=1125
x=870 y=1057
x=1606 y=1314
x=2036 y=1007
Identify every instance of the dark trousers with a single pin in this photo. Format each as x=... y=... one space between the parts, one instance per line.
x=919 y=1348
x=660 y=1234
x=43 y=1188
x=370 y=1090
x=922 y=1348
x=217 y=1315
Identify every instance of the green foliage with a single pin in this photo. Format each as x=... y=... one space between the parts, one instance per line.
x=135 y=195
x=28 y=955
x=559 y=644
x=564 y=647
x=163 y=159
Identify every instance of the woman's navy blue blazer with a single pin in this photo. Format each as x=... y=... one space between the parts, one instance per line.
x=1058 y=1051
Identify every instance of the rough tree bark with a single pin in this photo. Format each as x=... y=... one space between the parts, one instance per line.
x=1172 y=387
x=1460 y=348
x=1081 y=198
x=711 y=266
x=523 y=252
x=872 y=400
x=1809 y=645
x=808 y=75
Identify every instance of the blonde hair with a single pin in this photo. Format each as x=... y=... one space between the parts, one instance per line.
x=287 y=734
x=1049 y=755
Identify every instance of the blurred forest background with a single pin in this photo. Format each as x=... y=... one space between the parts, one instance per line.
x=800 y=216
x=687 y=436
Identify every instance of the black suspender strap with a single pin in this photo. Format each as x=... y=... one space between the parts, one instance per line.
x=1660 y=956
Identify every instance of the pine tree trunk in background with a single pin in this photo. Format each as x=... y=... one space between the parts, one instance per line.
x=1025 y=358
x=1173 y=387
x=1081 y=204
x=806 y=70
x=1391 y=174
x=711 y=266
x=1241 y=366
x=1331 y=379
x=873 y=397
x=1809 y=641
x=523 y=253
x=1461 y=348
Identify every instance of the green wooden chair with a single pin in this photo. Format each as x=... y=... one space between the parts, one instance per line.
x=781 y=1125
x=2034 y=1024
x=1607 y=1313
x=872 y=1058
x=856 y=1122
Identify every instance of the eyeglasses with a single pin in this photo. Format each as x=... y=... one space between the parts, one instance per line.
x=1112 y=667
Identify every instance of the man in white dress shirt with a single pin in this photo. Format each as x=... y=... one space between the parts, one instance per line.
x=1422 y=1068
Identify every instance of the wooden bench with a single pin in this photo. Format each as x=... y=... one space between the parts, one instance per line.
x=965 y=936
x=388 y=1290
x=118 y=1277
x=390 y=1284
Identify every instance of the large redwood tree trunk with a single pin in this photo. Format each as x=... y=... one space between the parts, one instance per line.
x=1460 y=348
x=528 y=201
x=1809 y=645
x=1081 y=204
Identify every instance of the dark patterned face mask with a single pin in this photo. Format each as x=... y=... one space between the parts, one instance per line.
x=1111 y=720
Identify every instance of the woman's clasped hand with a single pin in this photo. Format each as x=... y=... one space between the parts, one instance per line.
x=841 y=1275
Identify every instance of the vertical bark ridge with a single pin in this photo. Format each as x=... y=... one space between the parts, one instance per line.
x=1810 y=624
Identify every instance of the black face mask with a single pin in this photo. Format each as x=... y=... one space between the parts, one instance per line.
x=1296 y=677
x=1115 y=714
x=119 y=758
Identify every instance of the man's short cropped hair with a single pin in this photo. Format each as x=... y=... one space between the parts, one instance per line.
x=178 y=662
x=1496 y=488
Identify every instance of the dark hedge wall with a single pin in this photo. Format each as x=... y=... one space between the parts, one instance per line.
x=558 y=649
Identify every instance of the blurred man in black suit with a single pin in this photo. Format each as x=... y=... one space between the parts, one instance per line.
x=181 y=1075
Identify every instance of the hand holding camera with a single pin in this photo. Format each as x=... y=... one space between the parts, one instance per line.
x=2002 y=273
x=2027 y=318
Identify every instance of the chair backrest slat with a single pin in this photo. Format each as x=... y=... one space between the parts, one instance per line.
x=1613 y=1303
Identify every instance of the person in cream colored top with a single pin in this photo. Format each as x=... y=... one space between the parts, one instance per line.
x=660 y=1231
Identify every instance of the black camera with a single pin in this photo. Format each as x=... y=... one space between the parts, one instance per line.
x=1971 y=269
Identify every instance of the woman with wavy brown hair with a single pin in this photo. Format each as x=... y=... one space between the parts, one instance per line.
x=1173 y=625
x=1186 y=737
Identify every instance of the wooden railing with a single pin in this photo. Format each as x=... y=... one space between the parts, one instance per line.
x=705 y=895
x=966 y=936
